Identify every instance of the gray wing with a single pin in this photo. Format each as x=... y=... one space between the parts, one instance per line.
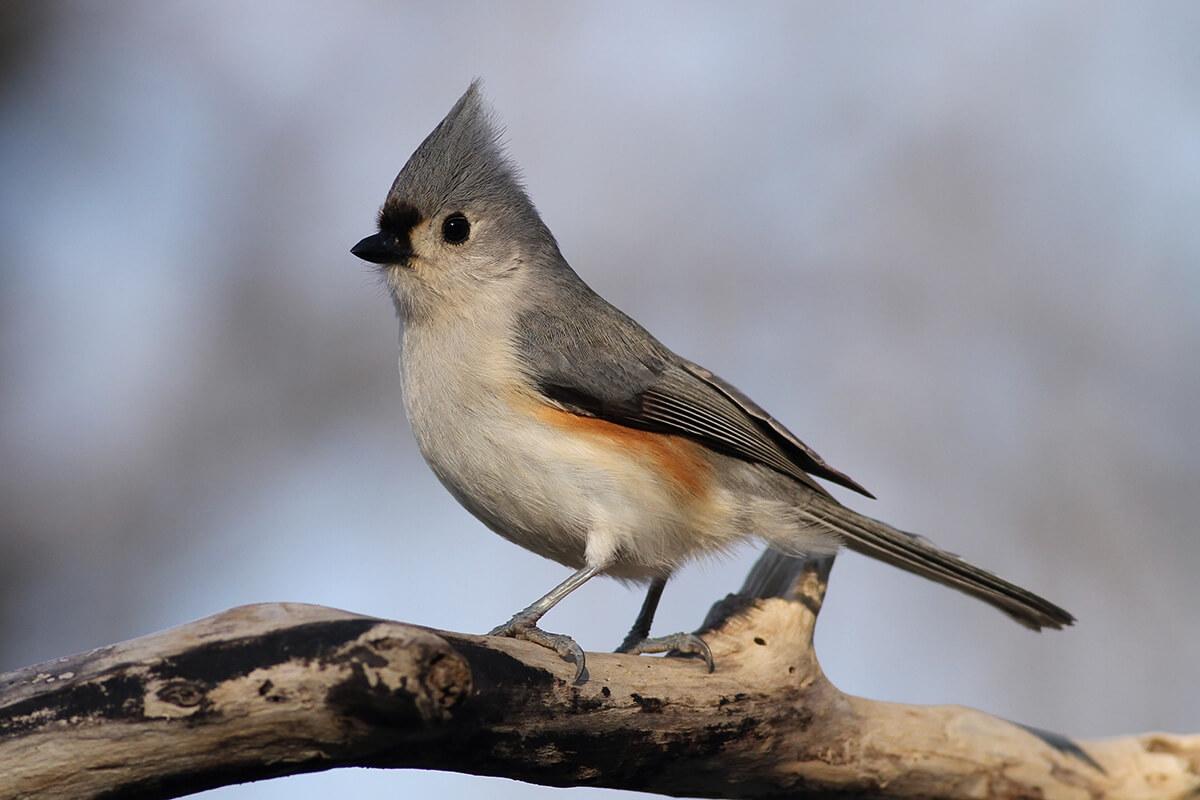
x=798 y=452
x=592 y=360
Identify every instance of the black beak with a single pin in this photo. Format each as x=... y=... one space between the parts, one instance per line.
x=382 y=248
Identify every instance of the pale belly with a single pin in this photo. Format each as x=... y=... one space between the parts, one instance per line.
x=579 y=490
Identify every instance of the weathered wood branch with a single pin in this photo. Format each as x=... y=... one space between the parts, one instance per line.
x=268 y=690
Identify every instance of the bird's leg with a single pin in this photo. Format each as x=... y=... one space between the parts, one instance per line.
x=645 y=618
x=638 y=640
x=523 y=625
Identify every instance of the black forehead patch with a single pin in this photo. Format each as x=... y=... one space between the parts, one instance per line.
x=398 y=219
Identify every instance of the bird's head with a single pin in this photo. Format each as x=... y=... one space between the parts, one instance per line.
x=457 y=221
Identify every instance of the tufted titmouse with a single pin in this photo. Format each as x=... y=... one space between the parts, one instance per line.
x=568 y=429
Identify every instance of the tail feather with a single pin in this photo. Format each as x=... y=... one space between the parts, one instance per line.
x=919 y=556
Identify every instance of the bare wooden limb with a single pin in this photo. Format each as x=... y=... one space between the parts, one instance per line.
x=269 y=690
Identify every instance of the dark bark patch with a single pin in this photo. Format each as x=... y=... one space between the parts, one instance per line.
x=120 y=697
x=217 y=662
x=374 y=703
x=648 y=705
x=187 y=676
x=494 y=669
x=584 y=704
x=498 y=683
x=184 y=694
x=726 y=700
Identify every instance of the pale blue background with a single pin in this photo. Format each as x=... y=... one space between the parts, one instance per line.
x=955 y=247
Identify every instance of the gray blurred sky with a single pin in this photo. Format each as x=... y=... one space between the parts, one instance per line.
x=954 y=247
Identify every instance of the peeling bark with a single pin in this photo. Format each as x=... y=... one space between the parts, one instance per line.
x=268 y=690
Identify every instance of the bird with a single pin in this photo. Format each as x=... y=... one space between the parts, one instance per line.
x=569 y=430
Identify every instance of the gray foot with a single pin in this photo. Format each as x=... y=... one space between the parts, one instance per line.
x=676 y=643
x=526 y=630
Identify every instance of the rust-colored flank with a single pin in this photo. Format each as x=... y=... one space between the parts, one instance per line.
x=681 y=460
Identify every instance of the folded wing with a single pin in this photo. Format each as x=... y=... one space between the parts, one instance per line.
x=618 y=372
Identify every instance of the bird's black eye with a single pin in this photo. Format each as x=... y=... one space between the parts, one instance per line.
x=456 y=229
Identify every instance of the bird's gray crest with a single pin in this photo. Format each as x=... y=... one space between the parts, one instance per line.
x=462 y=163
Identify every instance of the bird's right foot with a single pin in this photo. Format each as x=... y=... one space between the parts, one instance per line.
x=527 y=630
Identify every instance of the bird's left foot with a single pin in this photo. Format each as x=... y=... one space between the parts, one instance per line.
x=676 y=643
x=527 y=630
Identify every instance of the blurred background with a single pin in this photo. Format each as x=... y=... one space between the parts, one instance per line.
x=954 y=247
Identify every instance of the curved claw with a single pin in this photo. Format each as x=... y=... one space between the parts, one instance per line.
x=675 y=644
x=564 y=645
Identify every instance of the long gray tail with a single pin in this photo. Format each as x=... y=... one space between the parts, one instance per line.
x=919 y=556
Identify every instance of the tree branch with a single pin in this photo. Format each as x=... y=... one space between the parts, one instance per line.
x=268 y=690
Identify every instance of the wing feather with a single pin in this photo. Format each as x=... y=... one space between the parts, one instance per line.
x=613 y=369
x=800 y=453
